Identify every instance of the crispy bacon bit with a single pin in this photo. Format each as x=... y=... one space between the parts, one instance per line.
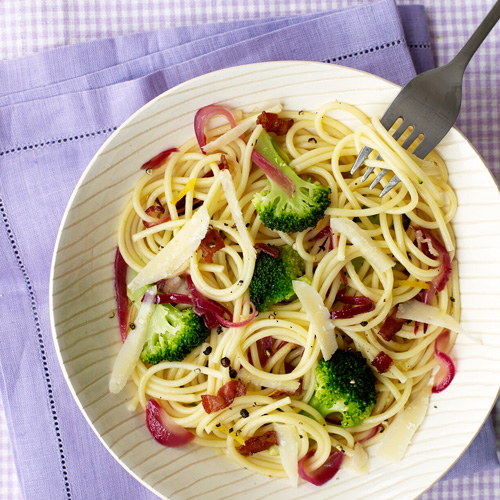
x=225 y=396
x=259 y=443
x=158 y=160
x=223 y=165
x=271 y=122
x=211 y=243
x=324 y=473
x=382 y=362
x=279 y=392
x=269 y=249
x=391 y=326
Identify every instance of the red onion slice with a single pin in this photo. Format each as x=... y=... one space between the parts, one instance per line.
x=157 y=161
x=447 y=370
x=326 y=232
x=324 y=473
x=274 y=173
x=349 y=312
x=163 y=428
x=366 y=435
x=264 y=348
x=424 y=236
x=213 y=313
x=203 y=116
x=121 y=293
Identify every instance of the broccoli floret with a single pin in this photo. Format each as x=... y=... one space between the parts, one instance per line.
x=172 y=334
x=272 y=277
x=344 y=384
x=276 y=208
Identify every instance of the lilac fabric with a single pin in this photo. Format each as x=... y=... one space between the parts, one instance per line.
x=56 y=109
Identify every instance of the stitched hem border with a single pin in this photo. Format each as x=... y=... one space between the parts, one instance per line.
x=41 y=345
x=52 y=142
x=376 y=48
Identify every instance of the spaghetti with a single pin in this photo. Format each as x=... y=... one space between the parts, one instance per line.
x=398 y=249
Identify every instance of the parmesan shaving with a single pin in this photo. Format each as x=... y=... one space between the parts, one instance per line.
x=234 y=207
x=288 y=445
x=171 y=259
x=402 y=430
x=132 y=347
x=359 y=460
x=424 y=313
x=235 y=132
x=318 y=316
x=288 y=386
x=363 y=242
x=230 y=136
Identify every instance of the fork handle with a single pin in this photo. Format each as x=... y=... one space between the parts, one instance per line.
x=462 y=59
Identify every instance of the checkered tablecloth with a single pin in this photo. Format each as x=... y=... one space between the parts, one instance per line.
x=28 y=26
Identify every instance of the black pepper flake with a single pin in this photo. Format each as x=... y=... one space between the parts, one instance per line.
x=132 y=326
x=279 y=409
x=312 y=139
x=208 y=350
x=233 y=373
x=217 y=425
x=247 y=224
x=225 y=362
x=244 y=413
x=112 y=314
x=301 y=112
x=219 y=329
x=364 y=323
x=452 y=299
x=231 y=430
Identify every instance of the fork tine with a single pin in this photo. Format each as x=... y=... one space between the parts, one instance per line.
x=378 y=178
x=370 y=170
x=411 y=138
x=363 y=155
x=395 y=180
x=399 y=131
x=424 y=148
x=367 y=173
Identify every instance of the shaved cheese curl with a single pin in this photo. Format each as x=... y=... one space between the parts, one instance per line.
x=364 y=243
x=169 y=261
x=319 y=317
x=424 y=313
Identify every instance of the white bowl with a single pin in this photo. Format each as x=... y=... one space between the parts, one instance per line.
x=87 y=337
